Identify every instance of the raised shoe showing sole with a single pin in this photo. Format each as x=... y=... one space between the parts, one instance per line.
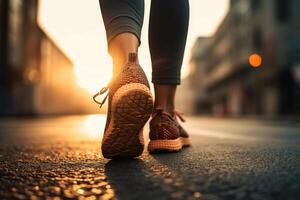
x=131 y=108
x=130 y=105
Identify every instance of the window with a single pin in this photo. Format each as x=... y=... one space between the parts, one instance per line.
x=257 y=39
x=283 y=10
x=255 y=5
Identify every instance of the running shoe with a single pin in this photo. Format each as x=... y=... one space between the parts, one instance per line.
x=130 y=105
x=184 y=136
x=166 y=134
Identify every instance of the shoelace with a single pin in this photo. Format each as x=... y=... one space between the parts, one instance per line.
x=102 y=91
x=177 y=113
x=106 y=88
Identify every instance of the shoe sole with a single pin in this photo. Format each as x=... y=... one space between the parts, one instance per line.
x=165 y=145
x=185 y=141
x=132 y=106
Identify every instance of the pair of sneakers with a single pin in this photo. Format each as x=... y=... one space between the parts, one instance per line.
x=130 y=105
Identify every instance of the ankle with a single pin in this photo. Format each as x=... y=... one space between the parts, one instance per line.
x=119 y=62
x=165 y=108
x=165 y=98
x=119 y=49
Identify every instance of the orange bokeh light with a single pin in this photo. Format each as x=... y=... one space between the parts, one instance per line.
x=255 y=60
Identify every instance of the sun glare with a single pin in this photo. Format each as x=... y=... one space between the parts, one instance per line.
x=83 y=36
x=92 y=125
x=92 y=80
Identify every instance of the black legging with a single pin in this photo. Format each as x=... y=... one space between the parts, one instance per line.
x=167 y=31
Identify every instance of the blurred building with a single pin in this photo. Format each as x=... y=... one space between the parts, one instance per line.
x=222 y=79
x=36 y=77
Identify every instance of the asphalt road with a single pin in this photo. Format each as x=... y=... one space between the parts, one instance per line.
x=59 y=158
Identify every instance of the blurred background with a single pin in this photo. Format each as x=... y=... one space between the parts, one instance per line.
x=242 y=57
x=240 y=88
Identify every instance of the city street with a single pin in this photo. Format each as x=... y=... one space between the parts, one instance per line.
x=60 y=158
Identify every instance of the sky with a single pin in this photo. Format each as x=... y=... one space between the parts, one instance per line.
x=77 y=27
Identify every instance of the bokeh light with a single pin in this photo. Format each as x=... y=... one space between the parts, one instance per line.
x=255 y=60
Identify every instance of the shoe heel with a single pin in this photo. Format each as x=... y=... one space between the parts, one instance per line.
x=185 y=142
x=132 y=106
x=164 y=145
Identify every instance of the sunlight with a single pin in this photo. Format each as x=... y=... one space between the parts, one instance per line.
x=86 y=78
x=93 y=126
x=83 y=38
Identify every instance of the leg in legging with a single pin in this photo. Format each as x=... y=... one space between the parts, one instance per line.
x=123 y=20
x=168 y=28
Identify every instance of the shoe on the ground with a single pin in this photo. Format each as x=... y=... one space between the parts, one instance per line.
x=184 y=136
x=166 y=134
x=130 y=105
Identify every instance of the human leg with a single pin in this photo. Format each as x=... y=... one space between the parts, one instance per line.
x=129 y=99
x=167 y=37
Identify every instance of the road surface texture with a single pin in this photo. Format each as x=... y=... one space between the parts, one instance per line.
x=59 y=158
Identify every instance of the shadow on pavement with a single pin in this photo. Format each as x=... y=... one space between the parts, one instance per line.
x=131 y=179
x=148 y=178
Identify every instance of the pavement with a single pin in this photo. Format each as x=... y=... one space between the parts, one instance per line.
x=59 y=158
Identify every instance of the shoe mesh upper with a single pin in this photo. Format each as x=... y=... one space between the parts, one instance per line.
x=163 y=127
x=132 y=73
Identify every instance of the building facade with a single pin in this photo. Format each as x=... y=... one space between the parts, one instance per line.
x=221 y=76
x=36 y=77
